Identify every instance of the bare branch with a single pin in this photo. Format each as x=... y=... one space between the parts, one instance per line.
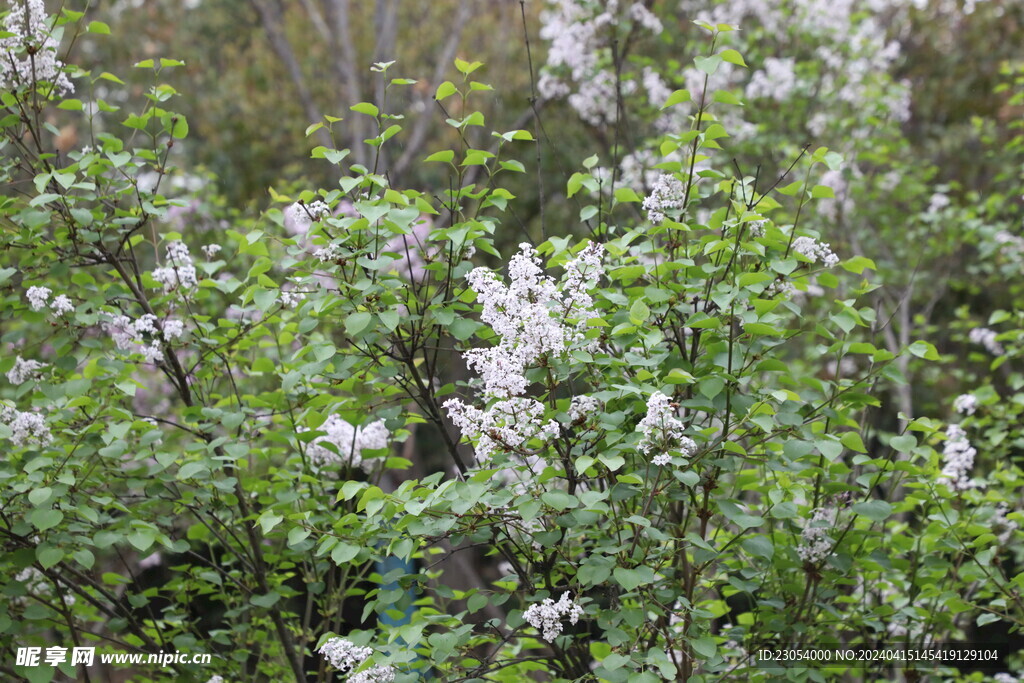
x=419 y=131
x=270 y=17
x=346 y=67
x=318 y=20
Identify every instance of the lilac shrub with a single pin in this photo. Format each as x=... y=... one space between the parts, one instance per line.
x=629 y=425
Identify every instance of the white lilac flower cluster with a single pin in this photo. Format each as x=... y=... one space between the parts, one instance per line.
x=291 y=298
x=26 y=427
x=582 y=407
x=577 y=34
x=547 y=616
x=36 y=584
x=299 y=216
x=39 y=297
x=938 y=202
x=30 y=55
x=216 y=678
x=529 y=315
x=344 y=655
x=814 y=250
x=781 y=288
x=128 y=335
x=854 y=50
x=343 y=444
x=842 y=203
x=327 y=254
x=958 y=456
x=987 y=338
x=657 y=91
x=855 y=47
x=645 y=18
x=62 y=305
x=1003 y=677
x=534 y=318
x=667 y=194
x=662 y=430
x=506 y=425
x=596 y=99
x=24 y=370
x=1009 y=241
x=180 y=274
x=965 y=404
x=211 y=250
x=377 y=674
x=776 y=81
x=815 y=545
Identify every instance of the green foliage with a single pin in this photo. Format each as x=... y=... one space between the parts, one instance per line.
x=695 y=464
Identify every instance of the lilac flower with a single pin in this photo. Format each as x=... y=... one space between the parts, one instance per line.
x=547 y=616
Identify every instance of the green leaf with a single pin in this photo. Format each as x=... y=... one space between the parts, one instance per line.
x=43 y=519
x=268 y=520
x=858 y=264
x=625 y=195
x=463 y=328
x=853 y=441
x=575 y=183
x=903 y=444
x=444 y=90
x=784 y=510
x=639 y=312
x=366 y=108
x=446 y=156
x=877 y=510
x=759 y=546
x=40 y=496
x=267 y=601
x=49 y=557
x=923 y=349
x=614 y=661
x=630 y=579
x=559 y=500
x=678 y=376
x=357 y=322
x=142 y=538
x=676 y=97
x=297 y=535
x=84 y=558
x=467 y=67
x=711 y=386
x=178 y=126
x=733 y=57
x=334 y=156
x=708 y=65
x=264 y=298
x=390 y=319
x=705 y=647
x=343 y=552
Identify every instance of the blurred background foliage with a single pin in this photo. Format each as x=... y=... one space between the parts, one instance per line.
x=247 y=119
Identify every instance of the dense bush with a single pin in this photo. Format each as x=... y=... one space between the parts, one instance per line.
x=664 y=445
